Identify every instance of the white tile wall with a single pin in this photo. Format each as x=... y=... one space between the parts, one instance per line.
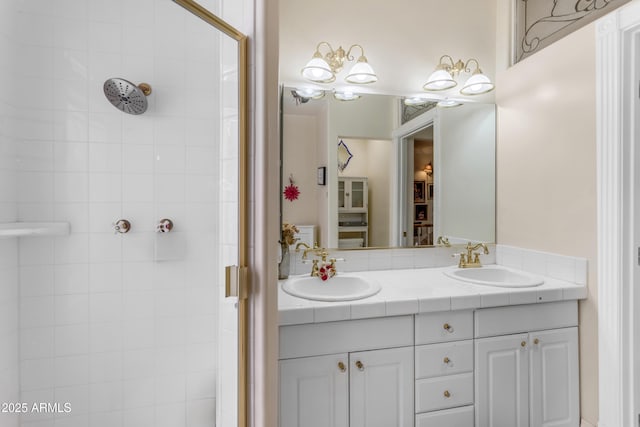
x=571 y=269
x=9 y=271
x=126 y=338
x=389 y=259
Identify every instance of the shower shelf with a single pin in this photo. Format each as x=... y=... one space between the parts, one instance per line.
x=32 y=229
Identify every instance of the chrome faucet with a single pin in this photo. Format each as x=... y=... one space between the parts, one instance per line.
x=471 y=259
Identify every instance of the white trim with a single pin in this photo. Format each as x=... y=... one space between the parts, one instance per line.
x=615 y=35
x=401 y=219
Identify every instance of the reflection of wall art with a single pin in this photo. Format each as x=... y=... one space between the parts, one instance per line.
x=291 y=192
x=542 y=22
x=429 y=191
x=418 y=192
x=421 y=213
x=322 y=175
x=344 y=155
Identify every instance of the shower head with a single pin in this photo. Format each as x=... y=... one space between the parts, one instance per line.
x=126 y=96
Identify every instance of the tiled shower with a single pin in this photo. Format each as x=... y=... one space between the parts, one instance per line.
x=121 y=326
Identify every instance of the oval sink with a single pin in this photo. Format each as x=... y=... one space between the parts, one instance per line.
x=494 y=275
x=338 y=288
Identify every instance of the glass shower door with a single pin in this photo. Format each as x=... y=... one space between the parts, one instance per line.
x=231 y=393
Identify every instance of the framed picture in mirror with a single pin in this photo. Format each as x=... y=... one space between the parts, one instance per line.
x=430 y=191
x=421 y=213
x=322 y=175
x=418 y=192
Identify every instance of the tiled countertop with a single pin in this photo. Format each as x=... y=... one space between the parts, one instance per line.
x=423 y=290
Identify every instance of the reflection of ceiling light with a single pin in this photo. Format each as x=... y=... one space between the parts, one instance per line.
x=345 y=95
x=416 y=100
x=323 y=69
x=310 y=93
x=444 y=77
x=448 y=103
x=428 y=169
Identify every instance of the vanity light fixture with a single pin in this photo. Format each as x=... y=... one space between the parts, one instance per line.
x=444 y=77
x=428 y=169
x=345 y=95
x=449 y=103
x=416 y=100
x=302 y=96
x=323 y=68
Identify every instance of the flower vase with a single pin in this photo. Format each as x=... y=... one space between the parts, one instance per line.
x=283 y=267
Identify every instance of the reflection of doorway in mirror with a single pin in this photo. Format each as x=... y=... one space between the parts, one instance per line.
x=422 y=204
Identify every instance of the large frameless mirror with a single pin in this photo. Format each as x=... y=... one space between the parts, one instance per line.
x=387 y=184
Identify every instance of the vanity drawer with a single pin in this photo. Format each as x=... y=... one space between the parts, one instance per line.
x=315 y=339
x=457 y=417
x=435 y=360
x=509 y=320
x=444 y=326
x=444 y=392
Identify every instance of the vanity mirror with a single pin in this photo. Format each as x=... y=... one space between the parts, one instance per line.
x=403 y=185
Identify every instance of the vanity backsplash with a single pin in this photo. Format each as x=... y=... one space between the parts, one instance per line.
x=572 y=269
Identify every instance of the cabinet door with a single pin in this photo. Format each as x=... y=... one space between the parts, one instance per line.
x=341 y=194
x=381 y=388
x=314 y=391
x=554 y=378
x=502 y=381
x=358 y=194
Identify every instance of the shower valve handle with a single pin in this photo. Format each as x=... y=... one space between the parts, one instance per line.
x=164 y=226
x=121 y=226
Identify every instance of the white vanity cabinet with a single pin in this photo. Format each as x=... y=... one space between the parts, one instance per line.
x=444 y=369
x=381 y=388
x=362 y=389
x=368 y=384
x=314 y=391
x=527 y=379
x=512 y=366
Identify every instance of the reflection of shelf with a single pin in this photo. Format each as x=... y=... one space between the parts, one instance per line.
x=25 y=229
x=355 y=229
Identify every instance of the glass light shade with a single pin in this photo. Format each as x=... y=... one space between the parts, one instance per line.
x=310 y=93
x=317 y=70
x=345 y=95
x=477 y=84
x=361 y=73
x=439 y=80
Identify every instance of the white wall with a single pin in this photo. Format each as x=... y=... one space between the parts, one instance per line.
x=546 y=170
x=300 y=141
x=9 y=334
x=465 y=173
x=370 y=117
x=127 y=339
x=372 y=159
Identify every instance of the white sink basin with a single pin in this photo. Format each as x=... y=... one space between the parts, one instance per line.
x=337 y=288
x=494 y=275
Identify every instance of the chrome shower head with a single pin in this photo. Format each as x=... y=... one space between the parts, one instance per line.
x=126 y=96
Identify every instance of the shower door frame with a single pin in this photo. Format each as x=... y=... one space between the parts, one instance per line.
x=242 y=290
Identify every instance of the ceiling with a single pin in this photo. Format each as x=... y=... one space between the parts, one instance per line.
x=402 y=39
